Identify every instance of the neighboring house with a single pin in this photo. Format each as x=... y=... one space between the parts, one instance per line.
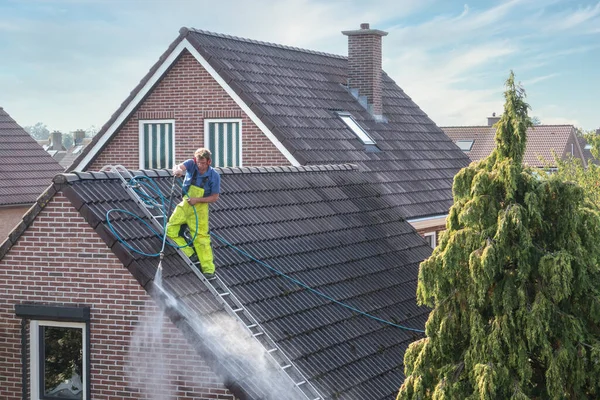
x=542 y=140
x=68 y=283
x=587 y=149
x=26 y=170
x=60 y=153
x=257 y=104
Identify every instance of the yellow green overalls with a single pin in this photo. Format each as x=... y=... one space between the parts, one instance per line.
x=184 y=214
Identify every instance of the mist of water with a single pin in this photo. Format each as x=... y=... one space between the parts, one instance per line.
x=152 y=360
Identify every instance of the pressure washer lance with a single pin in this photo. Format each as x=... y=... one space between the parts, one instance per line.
x=167 y=215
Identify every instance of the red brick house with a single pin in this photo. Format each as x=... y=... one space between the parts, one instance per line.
x=260 y=104
x=71 y=288
x=25 y=172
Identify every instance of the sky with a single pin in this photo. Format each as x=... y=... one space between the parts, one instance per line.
x=70 y=63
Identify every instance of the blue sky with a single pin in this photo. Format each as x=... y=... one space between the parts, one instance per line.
x=70 y=63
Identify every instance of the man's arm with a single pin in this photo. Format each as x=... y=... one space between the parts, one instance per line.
x=208 y=199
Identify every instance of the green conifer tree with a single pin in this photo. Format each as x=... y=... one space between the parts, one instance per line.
x=514 y=284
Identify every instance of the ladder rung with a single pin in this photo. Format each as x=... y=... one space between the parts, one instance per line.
x=272 y=350
x=237 y=310
x=286 y=366
x=251 y=326
x=224 y=294
x=258 y=334
x=300 y=383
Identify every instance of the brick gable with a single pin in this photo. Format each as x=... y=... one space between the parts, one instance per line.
x=187 y=94
x=59 y=259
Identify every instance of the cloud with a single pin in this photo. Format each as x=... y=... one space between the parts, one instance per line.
x=70 y=63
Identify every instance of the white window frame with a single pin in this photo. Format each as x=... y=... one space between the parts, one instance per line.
x=226 y=120
x=355 y=127
x=433 y=236
x=34 y=353
x=141 y=123
x=465 y=142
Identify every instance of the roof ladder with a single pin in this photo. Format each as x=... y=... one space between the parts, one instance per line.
x=231 y=304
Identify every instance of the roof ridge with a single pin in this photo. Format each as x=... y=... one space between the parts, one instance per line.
x=68 y=177
x=286 y=168
x=277 y=45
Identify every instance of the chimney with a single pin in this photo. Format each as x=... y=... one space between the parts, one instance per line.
x=364 y=64
x=78 y=136
x=493 y=119
x=56 y=141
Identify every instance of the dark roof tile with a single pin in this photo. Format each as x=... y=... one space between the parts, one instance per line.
x=18 y=149
x=325 y=226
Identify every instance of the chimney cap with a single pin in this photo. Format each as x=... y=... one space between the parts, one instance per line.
x=365 y=30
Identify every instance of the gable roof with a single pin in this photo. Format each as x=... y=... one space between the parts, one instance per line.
x=293 y=95
x=26 y=169
x=541 y=141
x=322 y=225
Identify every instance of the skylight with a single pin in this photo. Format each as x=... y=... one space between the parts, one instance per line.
x=358 y=131
x=465 y=145
x=588 y=147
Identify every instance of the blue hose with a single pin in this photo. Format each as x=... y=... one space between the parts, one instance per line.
x=151 y=201
x=135 y=182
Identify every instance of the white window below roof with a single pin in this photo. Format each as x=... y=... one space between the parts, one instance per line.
x=58 y=357
x=354 y=127
x=157 y=144
x=223 y=137
x=465 y=145
x=431 y=238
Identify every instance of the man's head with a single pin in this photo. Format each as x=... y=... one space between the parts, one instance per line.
x=203 y=158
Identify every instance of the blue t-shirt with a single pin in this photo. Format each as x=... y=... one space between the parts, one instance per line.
x=210 y=181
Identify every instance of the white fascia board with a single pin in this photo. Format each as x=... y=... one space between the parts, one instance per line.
x=428 y=222
x=241 y=103
x=183 y=45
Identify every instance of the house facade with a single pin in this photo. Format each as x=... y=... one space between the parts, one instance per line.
x=72 y=285
x=262 y=104
x=26 y=170
x=543 y=141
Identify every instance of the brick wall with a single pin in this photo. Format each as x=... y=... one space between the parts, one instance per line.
x=9 y=218
x=188 y=94
x=61 y=260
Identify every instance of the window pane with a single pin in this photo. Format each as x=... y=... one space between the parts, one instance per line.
x=465 y=145
x=223 y=142
x=62 y=362
x=358 y=131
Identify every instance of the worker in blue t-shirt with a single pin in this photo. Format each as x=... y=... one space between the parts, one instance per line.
x=201 y=186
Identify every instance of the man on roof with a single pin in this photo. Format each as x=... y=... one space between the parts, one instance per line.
x=201 y=186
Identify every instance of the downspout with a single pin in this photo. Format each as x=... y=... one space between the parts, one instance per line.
x=24 y=358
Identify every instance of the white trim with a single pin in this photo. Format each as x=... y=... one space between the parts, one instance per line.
x=428 y=222
x=141 y=142
x=208 y=121
x=34 y=353
x=351 y=123
x=183 y=45
x=434 y=234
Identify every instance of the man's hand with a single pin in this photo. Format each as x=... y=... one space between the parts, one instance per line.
x=210 y=199
x=178 y=170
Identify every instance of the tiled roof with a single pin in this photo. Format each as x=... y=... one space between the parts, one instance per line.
x=322 y=225
x=541 y=141
x=296 y=92
x=26 y=169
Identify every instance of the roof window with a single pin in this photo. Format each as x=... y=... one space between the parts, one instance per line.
x=353 y=125
x=465 y=145
x=588 y=147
